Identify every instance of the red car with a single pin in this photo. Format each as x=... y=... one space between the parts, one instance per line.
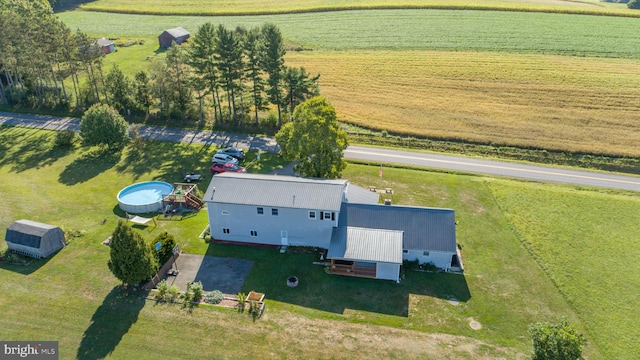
x=220 y=168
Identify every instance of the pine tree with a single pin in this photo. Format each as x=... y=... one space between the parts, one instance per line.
x=131 y=259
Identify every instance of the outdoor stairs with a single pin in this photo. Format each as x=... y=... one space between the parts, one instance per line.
x=283 y=249
x=193 y=201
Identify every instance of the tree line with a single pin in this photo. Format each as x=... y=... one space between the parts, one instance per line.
x=239 y=74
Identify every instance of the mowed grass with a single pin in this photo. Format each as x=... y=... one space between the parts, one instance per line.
x=553 y=102
x=404 y=30
x=73 y=298
x=588 y=244
x=212 y=7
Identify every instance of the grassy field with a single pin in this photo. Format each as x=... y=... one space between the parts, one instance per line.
x=76 y=190
x=212 y=7
x=594 y=263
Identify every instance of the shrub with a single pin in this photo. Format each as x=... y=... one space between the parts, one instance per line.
x=633 y=4
x=411 y=265
x=163 y=289
x=213 y=297
x=166 y=250
x=254 y=310
x=65 y=138
x=271 y=121
x=173 y=293
x=196 y=291
x=556 y=341
x=242 y=297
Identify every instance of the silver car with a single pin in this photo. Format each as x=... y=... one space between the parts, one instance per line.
x=224 y=159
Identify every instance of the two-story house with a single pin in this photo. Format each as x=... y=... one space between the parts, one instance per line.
x=362 y=237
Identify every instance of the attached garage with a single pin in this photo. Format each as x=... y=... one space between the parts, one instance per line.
x=34 y=239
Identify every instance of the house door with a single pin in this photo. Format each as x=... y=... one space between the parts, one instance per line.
x=284 y=238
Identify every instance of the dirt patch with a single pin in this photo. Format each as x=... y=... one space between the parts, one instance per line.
x=408 y=344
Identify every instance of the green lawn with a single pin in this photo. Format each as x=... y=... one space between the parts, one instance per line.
x=404 y=30
x=503 y=287
x=588 y=243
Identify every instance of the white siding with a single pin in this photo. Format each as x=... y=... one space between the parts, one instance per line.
x=242 y=219
x=387 y=271
x=438 y=258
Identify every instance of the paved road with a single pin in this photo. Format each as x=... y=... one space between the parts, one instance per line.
x=515 y=170
x=374 y=155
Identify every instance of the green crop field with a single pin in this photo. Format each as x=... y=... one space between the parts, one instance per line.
x=212 y=7
x=405 y=30
x=567 y=268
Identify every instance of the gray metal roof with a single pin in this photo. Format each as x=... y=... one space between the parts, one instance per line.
x=424 y=228
x=276 y=191
x=177 y=32
x=29 y=233
x=104 y=42
x=360 y=244
x=358 y=195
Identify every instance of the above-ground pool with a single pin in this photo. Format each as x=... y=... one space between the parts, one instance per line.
x=144 y=197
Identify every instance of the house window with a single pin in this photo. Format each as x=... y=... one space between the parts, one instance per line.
x=225 y=212
x=274 y=212
x=260 y=211
x=425 y=253
x=312 y=215
x=225 y=230
x=405 y=251
x=254 y=233
x=327 y=215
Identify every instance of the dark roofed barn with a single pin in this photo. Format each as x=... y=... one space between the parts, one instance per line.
x=34 y=239
x=179 y=35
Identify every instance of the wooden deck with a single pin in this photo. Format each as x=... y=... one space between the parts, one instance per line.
x=352 y=270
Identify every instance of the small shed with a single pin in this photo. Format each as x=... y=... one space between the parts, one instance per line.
x=34 y=239
x=107 y=46
x=179 y=35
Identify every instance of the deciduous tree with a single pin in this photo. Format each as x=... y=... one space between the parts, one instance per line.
x=131 y=259
x=314 y=139
x=102 y=125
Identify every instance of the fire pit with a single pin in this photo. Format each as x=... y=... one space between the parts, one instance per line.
x=292 y=281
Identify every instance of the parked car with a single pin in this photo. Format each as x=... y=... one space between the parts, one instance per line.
x=231 y=151
x=220 y=168
x=189 y=177
x=223 y=159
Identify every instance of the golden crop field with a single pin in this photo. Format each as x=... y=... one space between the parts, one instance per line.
x=553 y=102
x=214 y=7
